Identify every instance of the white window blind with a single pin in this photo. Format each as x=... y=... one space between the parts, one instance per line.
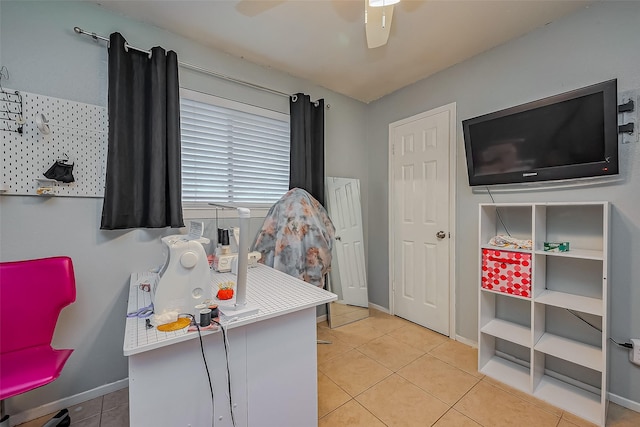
x=232 y=153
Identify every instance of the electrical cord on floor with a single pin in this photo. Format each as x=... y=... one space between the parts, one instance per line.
x=206 y=367
x=625 y=345
x=498 y=213
x=226 y=352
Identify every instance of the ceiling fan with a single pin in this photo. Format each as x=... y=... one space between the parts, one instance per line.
x=378 y=14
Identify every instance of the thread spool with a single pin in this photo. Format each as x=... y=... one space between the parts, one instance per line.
x=223 y=236
x=214 y=311
x=205 y=317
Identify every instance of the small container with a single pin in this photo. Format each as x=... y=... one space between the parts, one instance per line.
x=556 y=246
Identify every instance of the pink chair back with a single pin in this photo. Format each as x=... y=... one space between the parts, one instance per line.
x=32 y=294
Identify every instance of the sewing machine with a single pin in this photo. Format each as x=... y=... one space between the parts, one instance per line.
x=184 y=279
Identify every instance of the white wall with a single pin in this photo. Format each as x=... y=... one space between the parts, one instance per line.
x=45 y=56
x=595 y=44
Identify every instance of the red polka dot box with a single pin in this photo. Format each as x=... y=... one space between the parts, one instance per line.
x=506 y=271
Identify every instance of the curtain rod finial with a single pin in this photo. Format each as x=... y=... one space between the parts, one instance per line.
x=77 y=30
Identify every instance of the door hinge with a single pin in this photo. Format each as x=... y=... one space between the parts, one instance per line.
x=393 y=149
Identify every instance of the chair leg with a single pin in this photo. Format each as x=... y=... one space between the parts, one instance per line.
x=61 y=419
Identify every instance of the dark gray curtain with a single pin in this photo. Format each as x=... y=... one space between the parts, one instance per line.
x=143 y=183
x=307 y=145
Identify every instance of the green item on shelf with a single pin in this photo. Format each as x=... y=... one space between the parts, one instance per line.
x=556 y=246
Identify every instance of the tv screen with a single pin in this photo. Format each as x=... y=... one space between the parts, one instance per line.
x=571 y=135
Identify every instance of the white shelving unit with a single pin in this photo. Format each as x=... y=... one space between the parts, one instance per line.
x=536 y=343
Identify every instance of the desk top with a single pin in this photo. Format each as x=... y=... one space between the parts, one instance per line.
x=273 y=292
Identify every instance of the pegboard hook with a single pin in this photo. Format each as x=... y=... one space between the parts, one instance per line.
x=43 y=124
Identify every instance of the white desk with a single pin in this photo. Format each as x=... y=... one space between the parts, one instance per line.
x=272 y=355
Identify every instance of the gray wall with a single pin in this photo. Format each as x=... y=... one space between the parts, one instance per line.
x=45 y=56
x=593 y=45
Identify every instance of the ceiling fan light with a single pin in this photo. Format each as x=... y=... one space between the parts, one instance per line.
x=380 y=3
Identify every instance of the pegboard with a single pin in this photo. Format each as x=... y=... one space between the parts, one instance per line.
x=78 y=131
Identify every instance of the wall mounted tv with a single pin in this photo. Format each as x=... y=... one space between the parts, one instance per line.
x=571 y=135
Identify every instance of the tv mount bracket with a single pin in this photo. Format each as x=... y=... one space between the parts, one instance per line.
x=624 y=108
x=627 y=106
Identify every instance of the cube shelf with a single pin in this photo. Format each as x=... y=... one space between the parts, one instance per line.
x=535 y=343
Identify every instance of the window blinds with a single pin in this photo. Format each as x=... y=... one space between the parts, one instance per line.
x=231 y=156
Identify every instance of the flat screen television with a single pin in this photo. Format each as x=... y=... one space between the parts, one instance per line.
x=566 y=136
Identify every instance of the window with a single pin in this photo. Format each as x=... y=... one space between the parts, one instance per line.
x=232 y=153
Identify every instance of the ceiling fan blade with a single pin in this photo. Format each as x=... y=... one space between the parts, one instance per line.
x=377 y=34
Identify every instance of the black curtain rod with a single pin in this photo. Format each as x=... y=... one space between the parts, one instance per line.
x=95 y=36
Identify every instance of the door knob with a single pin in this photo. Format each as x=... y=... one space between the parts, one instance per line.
x=338 y=238
x=441 y=234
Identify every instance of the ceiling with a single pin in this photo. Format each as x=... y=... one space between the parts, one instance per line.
x=324 y=42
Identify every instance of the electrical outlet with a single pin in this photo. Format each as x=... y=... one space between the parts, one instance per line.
x=634 y=353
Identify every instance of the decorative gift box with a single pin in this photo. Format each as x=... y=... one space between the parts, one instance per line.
x=507 y=271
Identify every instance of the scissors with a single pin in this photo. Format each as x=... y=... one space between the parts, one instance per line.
x=143 y=312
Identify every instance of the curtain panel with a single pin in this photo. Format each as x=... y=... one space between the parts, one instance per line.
x=143 y=181
x=307 y=145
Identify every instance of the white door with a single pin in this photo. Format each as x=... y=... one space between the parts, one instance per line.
x=422 y=150
x=343 y=205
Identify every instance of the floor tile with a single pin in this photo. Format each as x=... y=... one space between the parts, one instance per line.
x=390 y=352
x=442 y=380
x=354 y=372
x=618 y=416
x=351 y=414
x=397 y=402
x=329 y=351
x=330 y=396
x=454 y=418
x=491 y=406
x=89 y=422
x=416 y=336
x=118 y=417
x=386 y=323
x=459 y=355
x=357 y=333
x=86 y=409
x=38 y=422
x=565 y=423
x=115 y=399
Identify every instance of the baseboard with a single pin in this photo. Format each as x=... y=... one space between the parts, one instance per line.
x=48 y=408
x=623 y=401
x=379 y=308
x=320 y=319
x=466 y=341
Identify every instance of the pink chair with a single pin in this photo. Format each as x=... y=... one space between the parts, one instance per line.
x=41 y=287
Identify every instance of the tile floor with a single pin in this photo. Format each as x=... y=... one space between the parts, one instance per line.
x=386 y=371
x=110 y=410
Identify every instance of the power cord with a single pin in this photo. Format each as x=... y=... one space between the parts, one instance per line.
x=206 y=367
x=498 y=213
x=626 y=344
x=226 y=352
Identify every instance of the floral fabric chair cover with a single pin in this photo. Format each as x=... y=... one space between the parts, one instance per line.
x=297 y=237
